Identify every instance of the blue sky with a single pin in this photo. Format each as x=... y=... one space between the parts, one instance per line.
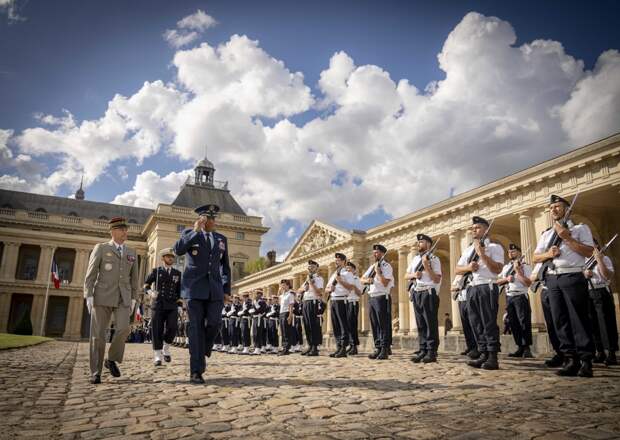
x=78 y=55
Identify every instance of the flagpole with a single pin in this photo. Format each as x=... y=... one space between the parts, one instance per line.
x=47 y=292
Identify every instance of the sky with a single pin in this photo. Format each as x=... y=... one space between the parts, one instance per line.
x=352 y=112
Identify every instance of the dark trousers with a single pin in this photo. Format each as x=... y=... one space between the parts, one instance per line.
x=298 y=330
x=470 y=338
x=225 y=331
x=272 y=332
x=353 y=310
x=340 y=325
x=234 y=332
x=482 y=305
x=246 y=325
x=389 y=321
x=426 y=308
x=568 y=297
x=204 y=322
x=546 y=307
x=286 y=330
x=603 y=318
x=379 y=313
x=259 y=332
x=312 y=323
x=520 y=318
x=164 y=324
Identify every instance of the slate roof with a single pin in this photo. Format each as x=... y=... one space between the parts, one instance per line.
x=192 y=196
x=66 y=206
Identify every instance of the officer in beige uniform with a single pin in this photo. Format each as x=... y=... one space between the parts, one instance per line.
x=110 y=288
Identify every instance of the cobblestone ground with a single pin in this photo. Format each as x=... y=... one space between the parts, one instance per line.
x=45 y=393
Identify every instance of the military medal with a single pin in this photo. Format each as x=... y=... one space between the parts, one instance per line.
x=108 y=266
x=194 y=252
x=109 y=254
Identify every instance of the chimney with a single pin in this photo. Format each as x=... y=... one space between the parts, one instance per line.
x=271 y=258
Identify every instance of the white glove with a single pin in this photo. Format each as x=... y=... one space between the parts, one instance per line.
x=133 y=305
x=89 y=304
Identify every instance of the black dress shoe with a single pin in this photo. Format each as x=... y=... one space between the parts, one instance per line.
x=284 y=352
x=570 y=369
x=111 y=365
x=599 y=358
x=375 y=354
x=527 y=353
x=421 y=355
x=313 y=351
x=556 y=361
x=389 y=351
x=477 y=363
x=342 y=353
x=585 y=370
x=464 y=353
x=353 y=350
x=167 y=358
x=331 y=355
x=95 y=379
x=518 y=353
x=196 y=378
x=383 y=354
x=611 y=359
x=157 y=363
x=430 y=357
x=491 y=362
x=474 y=354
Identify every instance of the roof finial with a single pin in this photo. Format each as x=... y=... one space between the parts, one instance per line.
x=79 y=194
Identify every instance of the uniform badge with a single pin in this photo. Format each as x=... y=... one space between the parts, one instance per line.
x=108 y=266
x=109 y=254
x=194 y=252
x=175 y=279
x=222 y=246
x=131 y=258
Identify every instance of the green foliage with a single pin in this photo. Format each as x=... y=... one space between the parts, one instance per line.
x=256 y=265
x=16 y=341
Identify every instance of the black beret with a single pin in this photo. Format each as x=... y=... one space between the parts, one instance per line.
x=514 y=247
x=424 y=237
x=350 y=264
x=312 y=263
x=379 y=247
x=340 y=256
x=555 y=199
x=479 y=220
x=209 y=210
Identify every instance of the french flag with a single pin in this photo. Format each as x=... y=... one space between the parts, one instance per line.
x=139 y=313
x=55 y=276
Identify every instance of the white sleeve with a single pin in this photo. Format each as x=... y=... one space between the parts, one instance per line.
x=318 y=282
x=367 y=273
x=498 y=254
x=584 y=235
x=608 y=263
x=411 y=267
x=463 y=260
x=388 y=274
x=541 y=245
x=348 y=277
x=504 y=271
x=436 y=265
x=527 y=270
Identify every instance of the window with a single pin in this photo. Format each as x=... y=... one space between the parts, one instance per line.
x=73 y=214
x=103 y=217
x=240 y=235
x=40 y=210
x=133 y=221
x=7 y=206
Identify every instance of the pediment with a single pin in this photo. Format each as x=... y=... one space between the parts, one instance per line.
x=318 y=235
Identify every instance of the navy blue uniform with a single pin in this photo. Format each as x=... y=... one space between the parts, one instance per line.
x=165 y=316
x=205 y=281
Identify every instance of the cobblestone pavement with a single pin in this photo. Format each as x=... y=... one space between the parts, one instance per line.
x=45 y=393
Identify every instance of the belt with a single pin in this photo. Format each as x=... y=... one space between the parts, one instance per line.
x=516 y=292
x=274 y=319
x=246 y=317
x=481 y=282
x=563 y=270
x=379 y=294
x=353 y=300
x=424 y=289
x=338 y=299
x=598 y=286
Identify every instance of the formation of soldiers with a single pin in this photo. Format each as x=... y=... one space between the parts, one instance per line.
x=571 y=273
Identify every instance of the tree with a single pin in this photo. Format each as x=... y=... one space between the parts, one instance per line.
x=256 y=265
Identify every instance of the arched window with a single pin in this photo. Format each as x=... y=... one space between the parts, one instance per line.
x=103 y=217
x=73 y=214
x=7 y=206
x=40 y=210
x=131 y=220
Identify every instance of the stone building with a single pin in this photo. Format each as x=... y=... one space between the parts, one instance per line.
x=517 y=202
x=34 y=228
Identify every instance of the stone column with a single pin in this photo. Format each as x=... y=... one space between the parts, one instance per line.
x=364 y=316
x=45 y=261
x=403 y=295
x=73 y=325
x=81 y=265
x=8 y=267
x=413 y=324
x=36 y=314
x=296 y=282
x=528 y=245
x=5 y=308
x=327 y=323
x=455 y=254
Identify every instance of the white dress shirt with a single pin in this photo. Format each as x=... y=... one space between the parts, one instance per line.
x=311 y=294
x=597 y=278
x=568 y=257
x=339 y=291
x=425 y=281
x=377 y=288
x=353 y=296
x=286 y=300
x=516 y=287
x=483 y=274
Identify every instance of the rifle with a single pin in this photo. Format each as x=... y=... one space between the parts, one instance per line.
x=372 y=274
x=591 y=262
x=461 y=281
x=420 y=266
x=554 y=241
x=513 y=270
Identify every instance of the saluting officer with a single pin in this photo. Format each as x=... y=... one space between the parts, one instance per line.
x=380 y=277
x=164 y=297
x=602 y=308
x=205 y=285
x=483 y=293
x=516 y=277
x=425 y=298
x=568 y=288
x=110 y=288
x=338 y=287
x=312 y=291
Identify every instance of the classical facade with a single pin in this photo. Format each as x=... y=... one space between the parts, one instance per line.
x=518 y=203
x=36 y=228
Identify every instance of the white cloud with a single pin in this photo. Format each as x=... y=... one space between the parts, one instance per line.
x=189 y=29
x=5 y=152
x=150 y=189
x=290 y=233
x=198 y=21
